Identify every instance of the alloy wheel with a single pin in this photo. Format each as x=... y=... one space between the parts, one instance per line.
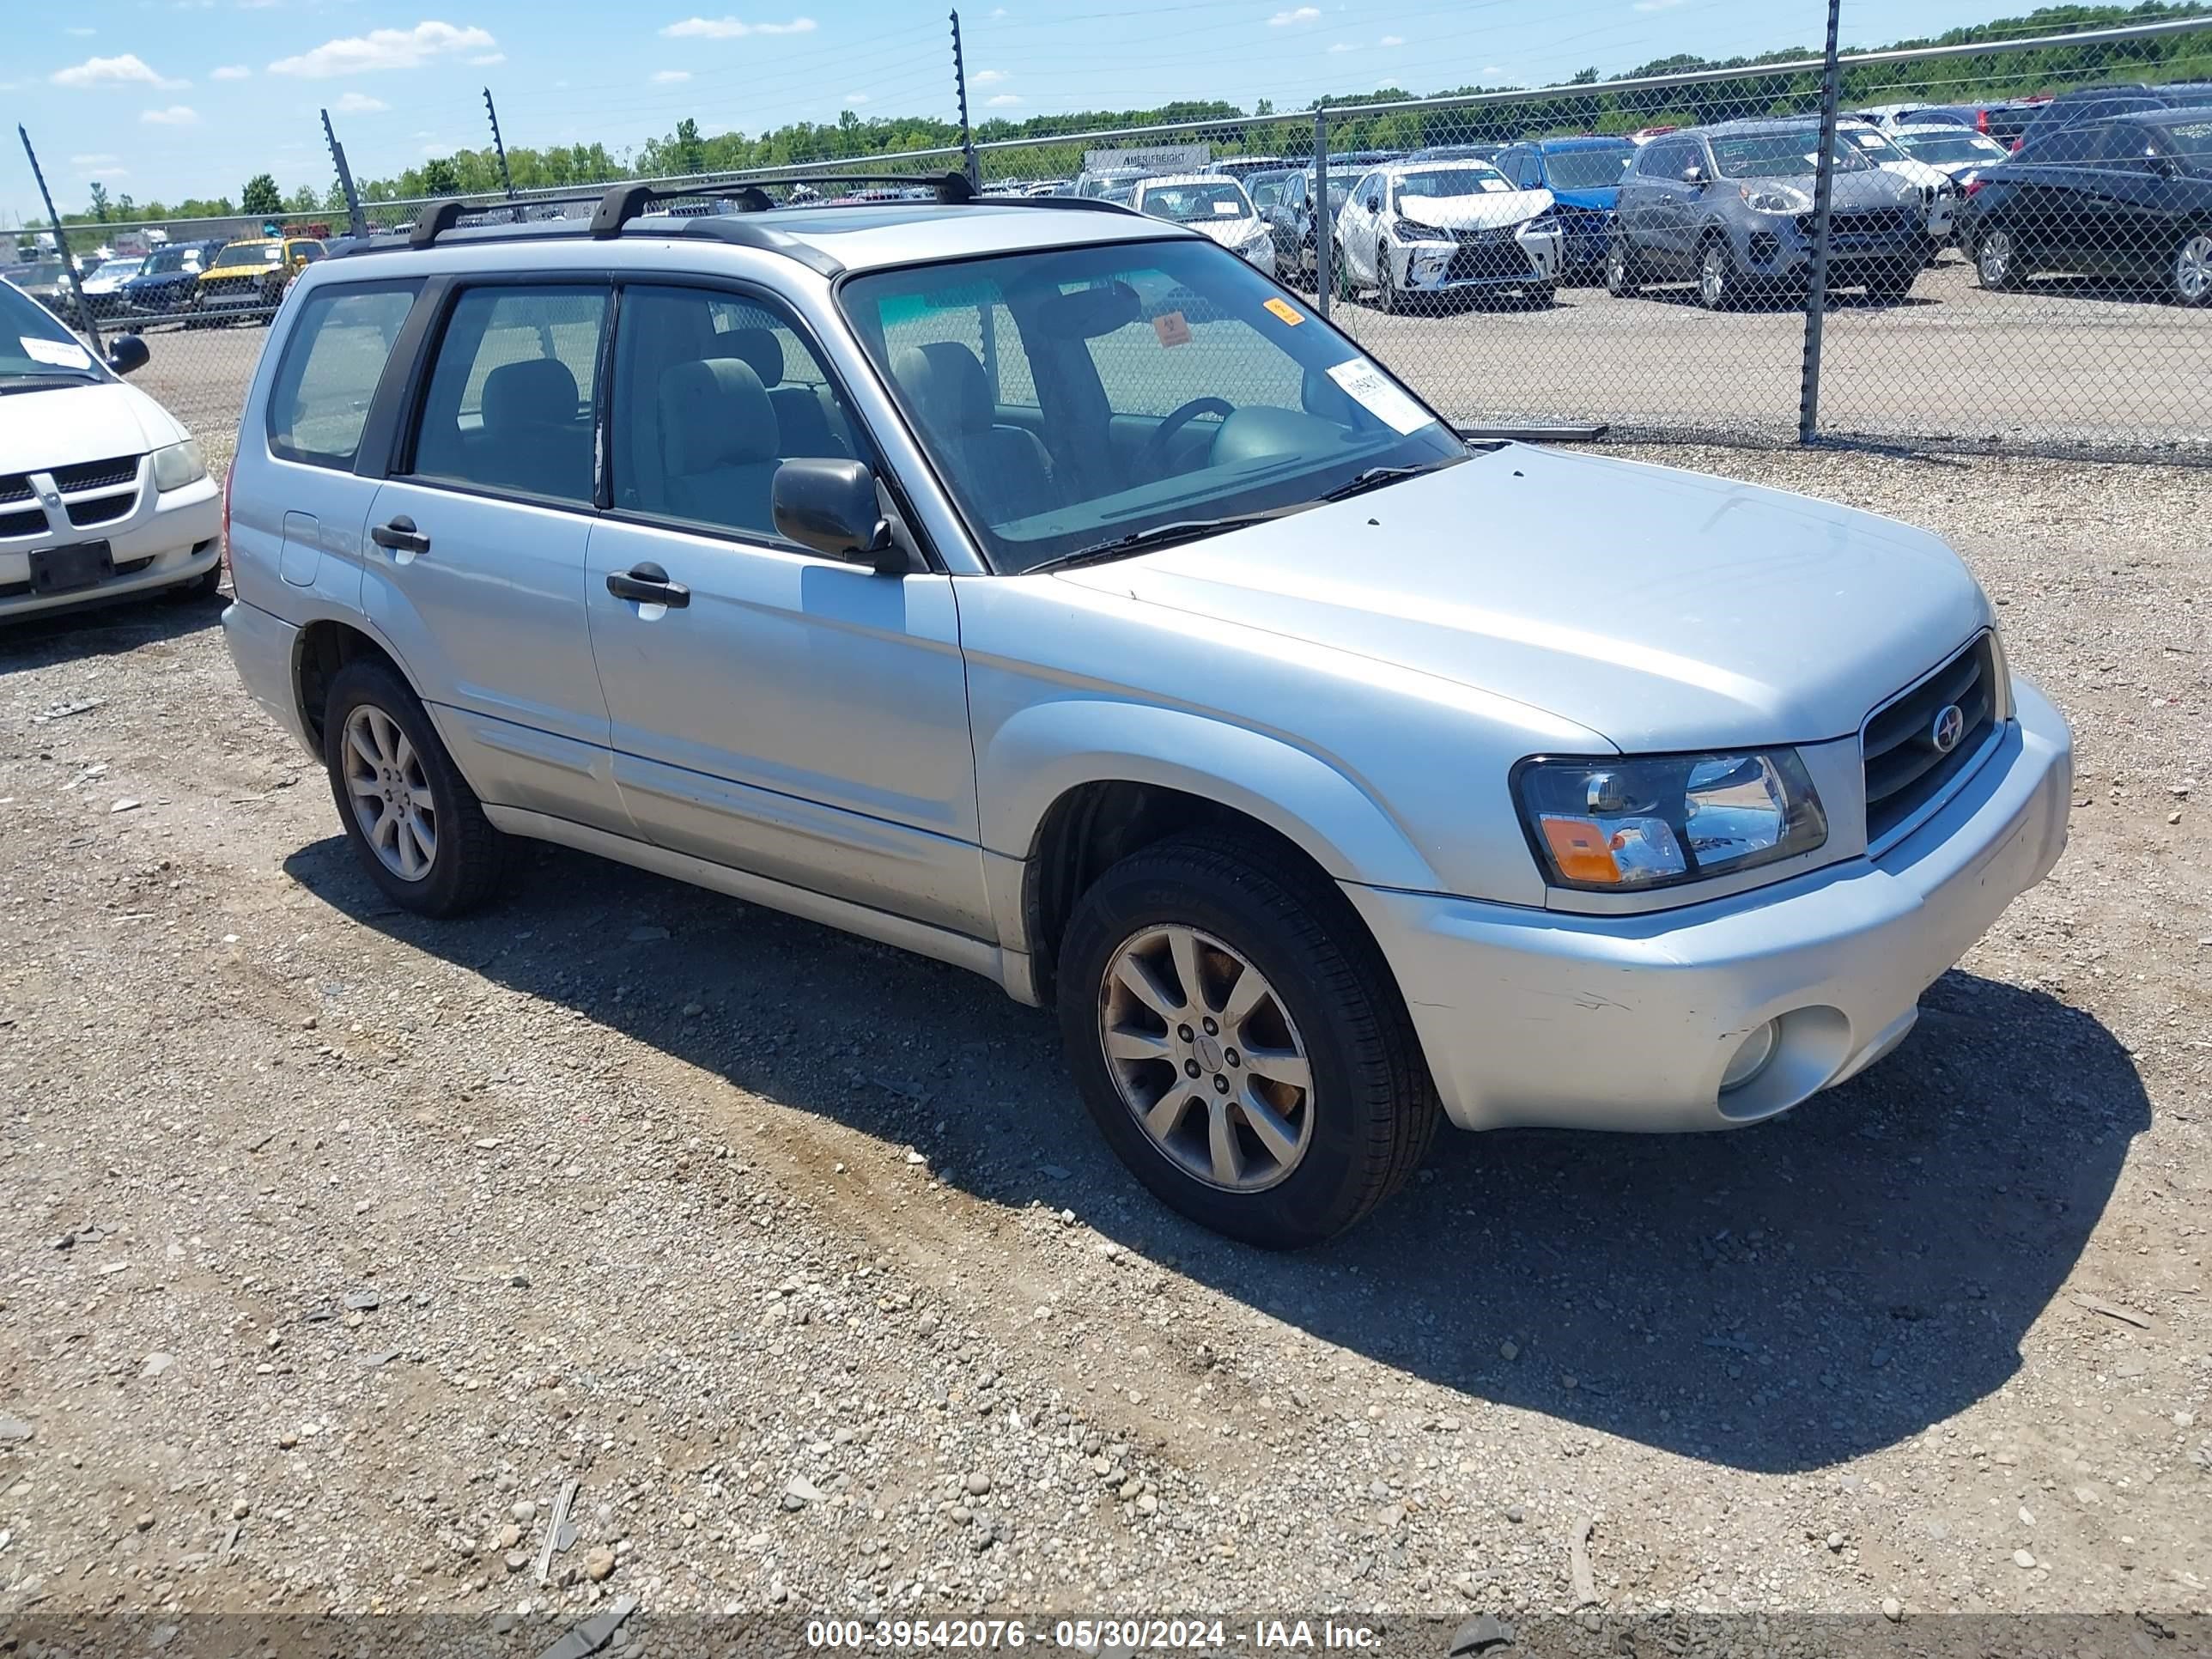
x=1206 y=1058
x=391 y=794
x=2192 y=270
x=1993 y=259
x=1713 y=276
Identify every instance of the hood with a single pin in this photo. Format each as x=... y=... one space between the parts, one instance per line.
x=1913 y=173
x=1486 y=211
x=1664 y=610
x=1600 y=199
x=63 y=425
x=1873 y=188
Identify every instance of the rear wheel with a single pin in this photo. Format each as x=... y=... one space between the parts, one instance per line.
x=1996 y=258
x=1622 y=278
x=2192 y=281
x=1716 y=283
x=1239 y=1041
x=413 y=820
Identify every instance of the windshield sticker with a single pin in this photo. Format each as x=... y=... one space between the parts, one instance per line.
x=1227 y=210
x=1367 y=385
x=61 y=354
x=1286 y=310
x=1496 y=184
x=1173 y=329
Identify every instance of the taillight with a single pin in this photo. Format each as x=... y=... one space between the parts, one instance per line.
x=1981 y=120
x=229 y=473
x=1974 y=189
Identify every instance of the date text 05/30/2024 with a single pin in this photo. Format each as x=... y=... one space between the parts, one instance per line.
x=1093 y=1636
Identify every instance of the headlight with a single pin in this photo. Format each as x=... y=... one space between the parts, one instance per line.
x=1544 y=224
x=1775 y=198
x=178 y=465
x=1412 y=232
x=1630 y=824
x=1257 y=240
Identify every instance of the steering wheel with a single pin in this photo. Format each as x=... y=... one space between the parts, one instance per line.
x=1154 y=455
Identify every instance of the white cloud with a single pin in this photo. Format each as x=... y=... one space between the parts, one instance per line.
x=731 y=28
x=384 y=49
x=230 y=72
x=1392 y=40
x=1343 y=45
x=1000 y=12
x=129 y=70
x=989 y=77
x=359 y=103
x=177 y=115
x=856 y=98
x=1302 y=15
x=669 y=78
x=488 y=59
x=1004 y=100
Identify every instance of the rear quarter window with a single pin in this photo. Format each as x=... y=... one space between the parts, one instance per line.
x=333 y=359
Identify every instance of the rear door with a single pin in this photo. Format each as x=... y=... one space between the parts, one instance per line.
x=2052 y=211
x=476 y=571
x=2142 y=202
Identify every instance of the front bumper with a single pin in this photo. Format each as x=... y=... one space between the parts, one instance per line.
x=169 y=537
x=1627 y=1022
x=1522 y=260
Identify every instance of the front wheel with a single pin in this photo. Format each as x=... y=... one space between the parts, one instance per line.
x=1996 y=259
x=1620 y=273
x=1716 y=275
x=412 y=819
x=2191 y=281
x=1239 y=1041
x=1387 y=295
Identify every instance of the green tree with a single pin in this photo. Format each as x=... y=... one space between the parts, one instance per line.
x=303 y=200
x=124 y=207
x=439 y=178
x=261 y=196
x=99 y=201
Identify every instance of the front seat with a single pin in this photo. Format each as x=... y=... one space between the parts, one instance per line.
x=718 y=444
x=802 y=412
x=531 y=438
x=1005 y=471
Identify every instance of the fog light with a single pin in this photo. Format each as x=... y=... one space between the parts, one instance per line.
x=1750 y=1058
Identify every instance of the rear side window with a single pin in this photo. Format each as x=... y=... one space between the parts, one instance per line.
x=509 y=406
x=333 y=359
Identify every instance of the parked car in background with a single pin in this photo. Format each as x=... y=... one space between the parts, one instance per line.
x=1296 y=218
x=1241 y=167
x=1583 y=175
x=2129 y=198
x=104 y=289
x=166 y=281
x=1416 y=230
x=1730 y=208
x=2078 y=105
x=1329 y=777
x=1958 y=151
x=1102 y=181
x=102 y=492
x=1214 y=206
x=2004 y=122
x=1455 y=152
x=1265 y=188
x=247 y=278
x=1939 y=197
x=47 y=282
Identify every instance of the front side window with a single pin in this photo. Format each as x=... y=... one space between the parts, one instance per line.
x=2190 y=142
x=510 y=398
x=333 y=359
x=712 y=391
x=1173 y=383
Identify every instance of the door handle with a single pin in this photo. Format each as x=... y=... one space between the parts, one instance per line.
x=400 y=535
x=648 y=584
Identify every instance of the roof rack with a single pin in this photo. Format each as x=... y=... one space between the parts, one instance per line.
x=624 y=203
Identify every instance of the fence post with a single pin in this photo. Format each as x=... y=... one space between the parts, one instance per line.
x=967 y=137
x=1824 y=196
x=1324 y=229
x=356 y=221
x=499 y=147
x=60 y=245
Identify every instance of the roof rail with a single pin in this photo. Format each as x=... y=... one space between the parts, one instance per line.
x=624 y=203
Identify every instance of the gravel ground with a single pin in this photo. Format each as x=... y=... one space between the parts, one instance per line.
x=345 y=1239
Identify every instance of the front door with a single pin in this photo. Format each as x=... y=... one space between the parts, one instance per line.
x=799 y=717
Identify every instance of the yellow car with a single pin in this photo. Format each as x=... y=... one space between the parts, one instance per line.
x=247 y=278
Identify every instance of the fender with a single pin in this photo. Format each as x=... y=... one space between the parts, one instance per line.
x=1047 y=749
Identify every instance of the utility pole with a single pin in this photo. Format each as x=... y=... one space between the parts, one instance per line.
x=1324 y=226
x=61 y=246
x=1824 y=197
x=356 y=221
x=967 y=136
x=506 y=178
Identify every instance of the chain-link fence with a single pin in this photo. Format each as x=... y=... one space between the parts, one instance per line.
x=2017 y=238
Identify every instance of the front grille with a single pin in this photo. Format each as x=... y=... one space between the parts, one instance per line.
x=15 y=487
x=23 y=524
x=97 y=475
x=1474 y=261
x=104 y=509
x=1904 y=768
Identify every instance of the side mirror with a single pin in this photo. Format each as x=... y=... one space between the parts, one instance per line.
x=127 y=354
x=1694 y=176
x=2162 y=165
x=831 y=506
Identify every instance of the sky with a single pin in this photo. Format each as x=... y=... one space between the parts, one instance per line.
x=167 y=99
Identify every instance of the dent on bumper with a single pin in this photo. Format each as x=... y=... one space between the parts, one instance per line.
x=1537 y=1018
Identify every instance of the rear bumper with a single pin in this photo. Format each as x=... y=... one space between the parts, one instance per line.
x=1533 y=1017
x=264 y=648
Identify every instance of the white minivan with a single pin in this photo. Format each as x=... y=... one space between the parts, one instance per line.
x=102 y=492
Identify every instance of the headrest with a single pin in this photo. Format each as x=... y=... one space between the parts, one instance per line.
x=756 y=348
x=537 y=392
x=715 y=413
x=947 y=386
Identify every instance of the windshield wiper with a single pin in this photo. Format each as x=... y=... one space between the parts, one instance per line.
x=1373 y=478
x=40 y=382
x=1158 y=535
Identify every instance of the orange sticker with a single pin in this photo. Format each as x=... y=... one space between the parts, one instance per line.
x=1171 y=328
x=1286 y=310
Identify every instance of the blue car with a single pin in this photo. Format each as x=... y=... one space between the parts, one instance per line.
x=170 y=276
x=1583 y=175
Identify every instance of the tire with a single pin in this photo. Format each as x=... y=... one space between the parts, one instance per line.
x=201 y=589
x=2190 y=277
x=1387 y=295
x=467 y=853
x=1891 y=286
x=1542 y=296
x=1717 y=273
x=1622 y=275
x=1367 y=1111
x=1996 y=259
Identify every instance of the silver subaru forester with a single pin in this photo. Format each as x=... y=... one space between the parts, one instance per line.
x=1040 y=587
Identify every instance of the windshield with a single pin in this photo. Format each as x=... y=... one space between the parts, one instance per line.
x=45 y=274
x=1183 y=204
x=35 y=348
x=1041 y=385
x=2191 y=141
x=173 y=258
x=1870 y=143
x=250 y=253
x=116 y=270
x=1791 y=154
x=1588 y=169
x=1942 y=149
x=1474 y=181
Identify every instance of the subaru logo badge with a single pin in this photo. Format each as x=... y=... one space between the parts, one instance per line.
x=1950 y=726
